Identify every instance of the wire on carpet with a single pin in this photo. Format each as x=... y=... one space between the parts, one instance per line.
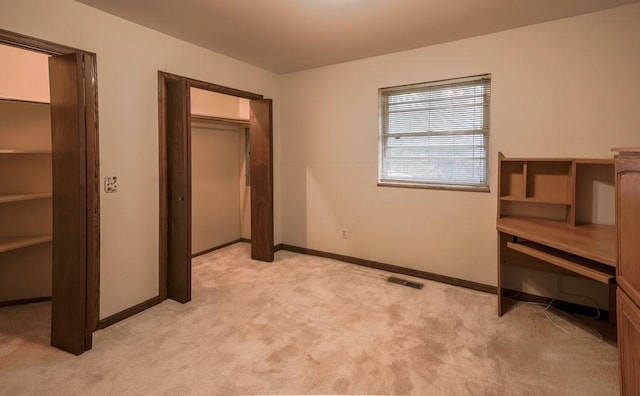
x=549 y=306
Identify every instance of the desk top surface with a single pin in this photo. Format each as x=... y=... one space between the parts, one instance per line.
x=593 y=241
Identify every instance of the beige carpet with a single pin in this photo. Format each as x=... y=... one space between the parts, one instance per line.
x=306 y=325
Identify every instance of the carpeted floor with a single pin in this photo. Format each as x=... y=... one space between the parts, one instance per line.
x=307 y=325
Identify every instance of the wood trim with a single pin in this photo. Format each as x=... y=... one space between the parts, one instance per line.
x=93 y=194
x=24 y=301
x=393 y=268
x=203 y=252
x=222 y=89
x=261 y=170
x=69 y=273
x=193 y=83
x=178 y=196
x=163 y=190
x=122 y=315
x=35 y=44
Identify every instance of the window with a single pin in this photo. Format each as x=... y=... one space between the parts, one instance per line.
x=435 y=134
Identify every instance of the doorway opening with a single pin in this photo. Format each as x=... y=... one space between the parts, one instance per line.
x=220 y=186
x=63 y=188
x=176 y=172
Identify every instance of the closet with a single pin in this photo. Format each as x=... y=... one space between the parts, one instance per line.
x=220 y=191
x=25 y=178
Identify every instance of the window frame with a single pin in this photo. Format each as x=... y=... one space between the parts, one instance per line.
x=383 y=134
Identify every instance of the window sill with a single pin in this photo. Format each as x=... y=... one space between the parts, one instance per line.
x=451 y=187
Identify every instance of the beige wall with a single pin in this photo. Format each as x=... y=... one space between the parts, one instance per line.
x=129 y=57
x=23 y=74
x=218 y=105
x=568 y=88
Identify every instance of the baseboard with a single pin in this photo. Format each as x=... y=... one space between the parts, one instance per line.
x=559 y=304
x=395 y=269
x=24 y=301
x=216 y=248
x=122 y=315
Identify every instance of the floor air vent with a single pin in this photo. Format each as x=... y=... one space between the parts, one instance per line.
x=405 y=282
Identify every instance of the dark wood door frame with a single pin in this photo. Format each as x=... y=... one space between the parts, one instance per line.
x=74 y=315
x=178 y=182
x=261 y=142
x=179 y=288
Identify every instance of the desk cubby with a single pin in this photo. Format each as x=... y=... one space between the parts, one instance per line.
x=566 y=190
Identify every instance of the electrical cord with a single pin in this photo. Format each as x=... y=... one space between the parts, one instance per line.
x=592 y=301
x=599 y=338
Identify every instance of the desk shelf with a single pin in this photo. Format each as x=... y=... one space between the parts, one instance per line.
x=579 y=265
x=559 y=189
x=560 y=201
x=595 y=242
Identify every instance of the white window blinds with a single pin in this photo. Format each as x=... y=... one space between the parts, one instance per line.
x=436 y=134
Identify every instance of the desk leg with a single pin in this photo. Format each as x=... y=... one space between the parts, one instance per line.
x=613 y=307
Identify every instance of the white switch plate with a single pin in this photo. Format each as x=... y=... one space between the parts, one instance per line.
x=111 y=184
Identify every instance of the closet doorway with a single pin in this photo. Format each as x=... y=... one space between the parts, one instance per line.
x=175 y=179
x=220 y=186
x=72 y=196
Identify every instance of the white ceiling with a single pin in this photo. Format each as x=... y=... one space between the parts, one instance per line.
x=290 y=35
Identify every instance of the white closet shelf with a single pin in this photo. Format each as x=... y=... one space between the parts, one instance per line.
x=12 y=243
x=25 y=152
x=23 y=101
x=4 y=198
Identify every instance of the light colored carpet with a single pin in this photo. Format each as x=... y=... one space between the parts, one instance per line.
x=307 y=325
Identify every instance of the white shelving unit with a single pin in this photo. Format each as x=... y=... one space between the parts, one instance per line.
x=25 y=200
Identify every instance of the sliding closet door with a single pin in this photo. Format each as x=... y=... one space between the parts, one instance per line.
x=261 y=133
x=68 y=129
x=178 y=190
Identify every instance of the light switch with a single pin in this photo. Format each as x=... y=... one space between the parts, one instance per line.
x=110 y=184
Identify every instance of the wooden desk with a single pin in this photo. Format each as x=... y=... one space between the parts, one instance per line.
x=588 y=250
x=546 y=221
